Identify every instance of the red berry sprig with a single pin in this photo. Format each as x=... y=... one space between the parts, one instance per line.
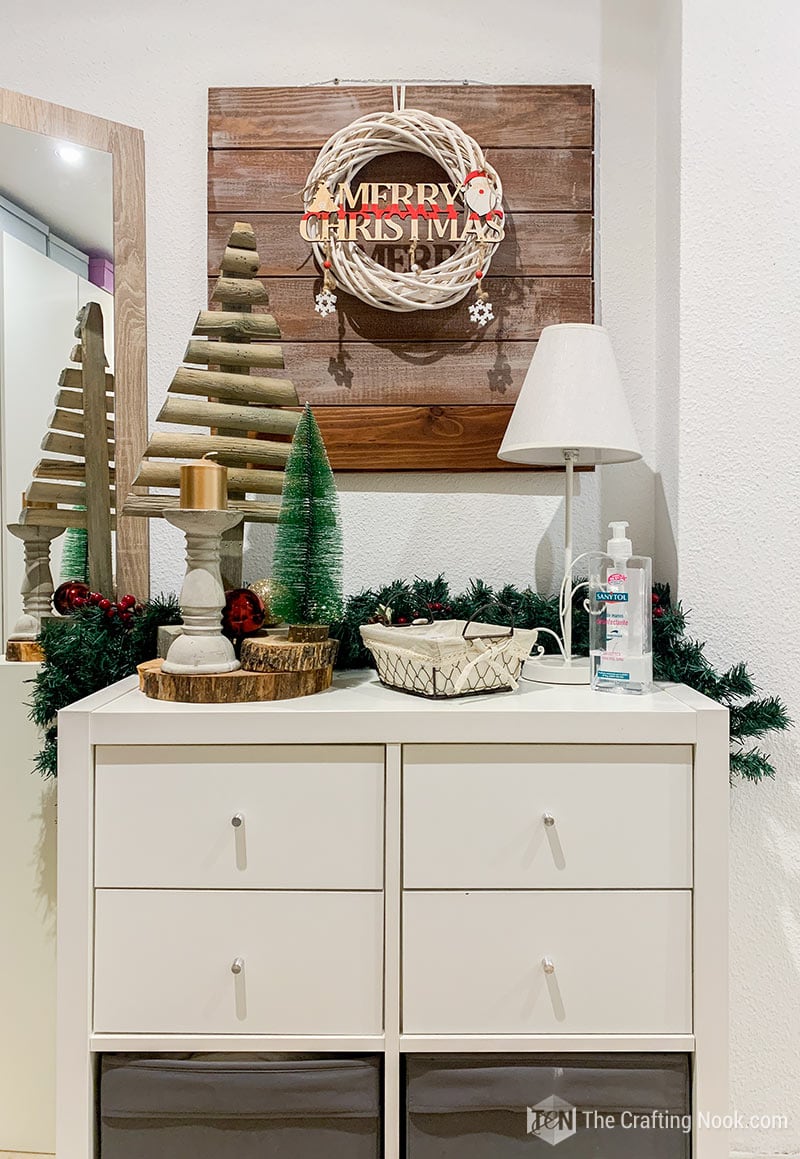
x=123 y=610
x=437 y=608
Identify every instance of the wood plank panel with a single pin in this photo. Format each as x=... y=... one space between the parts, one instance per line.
x=369 y=374
x=536 y=244
x=522 y=307
x=453 y=438
x=524 y=116
x=244 y=181
x=423 y=390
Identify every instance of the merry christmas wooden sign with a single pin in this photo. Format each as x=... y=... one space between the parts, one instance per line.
x=412 y=251
x=379 y=211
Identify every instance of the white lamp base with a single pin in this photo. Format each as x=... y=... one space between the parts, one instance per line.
x=556 y=670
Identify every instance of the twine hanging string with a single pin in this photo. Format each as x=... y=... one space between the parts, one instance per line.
x=405 y=130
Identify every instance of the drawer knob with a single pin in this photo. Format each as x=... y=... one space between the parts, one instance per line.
x=237 y=966
x=548 y=965
x=237 y=820
x=548 y=819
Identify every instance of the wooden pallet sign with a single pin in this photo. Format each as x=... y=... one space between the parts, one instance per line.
x=429 y=389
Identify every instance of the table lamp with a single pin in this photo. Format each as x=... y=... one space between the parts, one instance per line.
x=571 y=410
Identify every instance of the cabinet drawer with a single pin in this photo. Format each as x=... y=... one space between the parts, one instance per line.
x=476 y=816
x=306 y=817
x=311 y=963
x=473 y=963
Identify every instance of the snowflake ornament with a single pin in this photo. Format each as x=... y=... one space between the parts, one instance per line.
x=326 y=303
x=481 y=312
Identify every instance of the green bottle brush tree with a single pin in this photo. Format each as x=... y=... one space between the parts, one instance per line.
x=307 y=563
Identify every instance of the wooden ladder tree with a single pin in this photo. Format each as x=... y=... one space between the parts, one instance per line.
x=224 y=387
x=76 y=490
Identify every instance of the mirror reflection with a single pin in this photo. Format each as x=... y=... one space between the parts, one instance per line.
x=56 y=257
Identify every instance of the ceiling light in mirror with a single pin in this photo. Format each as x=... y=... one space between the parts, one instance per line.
x=69 y=154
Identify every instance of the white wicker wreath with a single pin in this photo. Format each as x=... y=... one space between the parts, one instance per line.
x=409 y=130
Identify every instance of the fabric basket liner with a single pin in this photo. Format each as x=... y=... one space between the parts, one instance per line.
x=443 y=640
x=159 y=1088
x=612 y=1083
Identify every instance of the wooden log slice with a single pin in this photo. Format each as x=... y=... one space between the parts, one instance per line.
x=24 y=651
x=230 y=687
x=268 y=654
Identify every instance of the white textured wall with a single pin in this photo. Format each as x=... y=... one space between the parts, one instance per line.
x=739 y=481
x=668 y=302
x=150 y=63
x=722 y=424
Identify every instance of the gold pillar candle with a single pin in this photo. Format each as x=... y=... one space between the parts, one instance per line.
x=204 y=486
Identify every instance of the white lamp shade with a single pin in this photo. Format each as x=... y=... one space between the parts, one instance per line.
x=572 y=399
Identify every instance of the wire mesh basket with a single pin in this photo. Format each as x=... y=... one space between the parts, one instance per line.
x=449 y=657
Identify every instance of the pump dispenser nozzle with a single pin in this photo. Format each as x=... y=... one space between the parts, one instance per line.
x=619 y=546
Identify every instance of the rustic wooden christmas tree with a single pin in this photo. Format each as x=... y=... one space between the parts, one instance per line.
x=74 y=490
x=225 y=386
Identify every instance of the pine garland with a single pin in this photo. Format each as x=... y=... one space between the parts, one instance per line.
x=88 y=652
x=307 y=563
x=677 y=658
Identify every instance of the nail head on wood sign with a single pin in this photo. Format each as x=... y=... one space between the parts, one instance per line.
x=419 y=390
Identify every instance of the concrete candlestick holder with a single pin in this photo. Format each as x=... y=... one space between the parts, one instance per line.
x=37 y=586
x=201 y=647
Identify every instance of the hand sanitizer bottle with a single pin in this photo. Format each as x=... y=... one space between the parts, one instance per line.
x=620 y=617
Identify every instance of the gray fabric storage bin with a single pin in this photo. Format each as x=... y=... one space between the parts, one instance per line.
x=484 y=1106
x=239 y=1107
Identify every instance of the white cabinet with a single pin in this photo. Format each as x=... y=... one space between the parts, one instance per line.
x=542 y=872
x=243 y=817
x=28 y=914
x=547 y=816
x=245 y=962
x=534 y=962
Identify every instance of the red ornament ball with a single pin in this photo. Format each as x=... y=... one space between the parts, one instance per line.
x=67 y=593
x=243 y=613
x=656 y=598
x=326 y=264
x=479 y=274
x=658 y=613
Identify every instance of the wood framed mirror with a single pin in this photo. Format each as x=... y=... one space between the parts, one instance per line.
x=32 y=131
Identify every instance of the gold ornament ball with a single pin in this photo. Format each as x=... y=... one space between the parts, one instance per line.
x=265 y=590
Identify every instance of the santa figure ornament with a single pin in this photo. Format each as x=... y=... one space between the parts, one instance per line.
x=480 y=198
x=478 y=193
